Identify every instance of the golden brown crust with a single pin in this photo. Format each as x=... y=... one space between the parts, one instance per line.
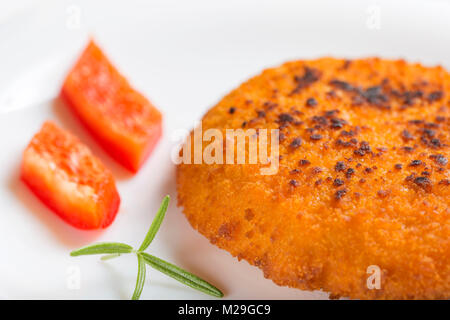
x=365 y=185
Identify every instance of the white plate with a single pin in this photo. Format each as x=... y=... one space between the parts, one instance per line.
x=184 y=56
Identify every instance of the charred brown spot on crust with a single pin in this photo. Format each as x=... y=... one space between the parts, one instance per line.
x=347 y=144
x=226 y=230
x=309 y=77
x=346 y=64
x=349 y=173
x=333 y=296
x=304 y=162
x=297 y=142
x=381 y=95
x=439 y=159
x=363 y=149
x=337 y=123
x=285 y=118
x=249 y=214
x=315 y=137
x=320 y=121
x=339 y=84
x=368 y=170
x=415 y=163
x=331 y=113
x=338 y=195
x=416 y=122
x=406 y=135
x=423 y=182
x=316 y=170
x=261 y=113
x=407 y=149
x=435 y=96
x=374 y=95
x=293 y=183
x=269 y=105
x=340 y=166
x=431 y=125
x=383 y=193
x=408 y=97
x=311 y=102
x=261 y=262
x=349 y=133
x=249 y=234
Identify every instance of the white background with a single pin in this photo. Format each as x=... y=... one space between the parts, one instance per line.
x=184 y=56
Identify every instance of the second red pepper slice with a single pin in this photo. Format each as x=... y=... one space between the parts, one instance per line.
x=122 y=120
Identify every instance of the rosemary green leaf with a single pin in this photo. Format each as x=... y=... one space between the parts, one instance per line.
x=181 y=275
x=140 y=278
x=102 y=247
x=155 y=224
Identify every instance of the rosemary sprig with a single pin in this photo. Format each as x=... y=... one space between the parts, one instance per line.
x=103 y=247
x=115 y=249
x=140 y=278
x=181 y=275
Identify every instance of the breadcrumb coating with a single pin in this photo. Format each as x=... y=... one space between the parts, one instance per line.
x=363 y=178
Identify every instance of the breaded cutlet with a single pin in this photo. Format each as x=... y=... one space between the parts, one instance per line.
x=363 y=178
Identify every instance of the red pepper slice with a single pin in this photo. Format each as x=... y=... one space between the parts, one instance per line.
x=69 y=179
x=122 y=120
